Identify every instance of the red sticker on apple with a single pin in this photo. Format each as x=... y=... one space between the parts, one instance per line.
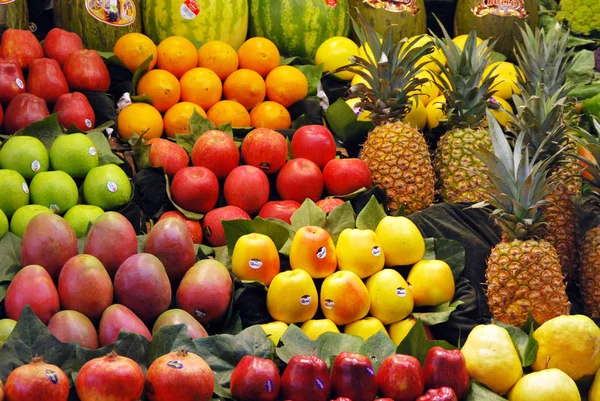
x=189 y=9
x=331 y=3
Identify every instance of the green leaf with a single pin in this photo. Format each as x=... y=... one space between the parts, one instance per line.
x=354 y=194
x=531 y=349
x=10 y=262
x=339 y=219
x=46 y=130
x=29 y=338
x=105 y=154
x=370 y=216
x=139 y=73
x=344 y=123
x=234 y=229
x=450 y=251
x=186 y=213
x=223 y=256
x=101 y=128
x=286 y=60
x=416 y=343
x=582 y=71
x=477 y=392
x=378 y=347
x=309 y=214
x=297 y=123
x=226 y=128
x=141 y=151
x=295 y=342
x=330 y=345
x=518 y=337
x=313 y=74
x=223 y=352
x=167 y=339
x=437 y=314
x=200 y=124
x=530 y=322
x=496 y=57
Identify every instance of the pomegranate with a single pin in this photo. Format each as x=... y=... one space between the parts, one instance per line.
x=180 y=376
x=110 y=377
x=36 y=379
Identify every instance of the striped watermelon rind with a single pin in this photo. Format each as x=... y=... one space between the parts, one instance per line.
x=216 y=20
x=298 y=27
x=14 y=15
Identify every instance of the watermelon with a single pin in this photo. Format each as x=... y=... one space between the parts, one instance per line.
x=197 y=20
x=298 y=27
x=13 y=14
x=99 y=23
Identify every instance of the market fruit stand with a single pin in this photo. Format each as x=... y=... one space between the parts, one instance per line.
x=261 y=200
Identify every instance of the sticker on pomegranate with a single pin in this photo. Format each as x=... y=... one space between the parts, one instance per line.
x=20 y=83
x=25 y=188
x=111 y=186
x=322 y=252
x=35 y=165
x=501 y=8
x=112 y=12
x=395 y=6
x=305 y=300
x=6 y=1
x=52 y=376
x=189 y=9
x=175 y=364
x=331 y=3
x=92 y=151
x=255 y=263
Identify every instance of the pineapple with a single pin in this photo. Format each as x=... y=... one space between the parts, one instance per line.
x=396 y=153
x=523 y=272
x=467 y=89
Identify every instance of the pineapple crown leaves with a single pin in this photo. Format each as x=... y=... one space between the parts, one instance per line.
x=389 y=72
x=463 y=81
x=544 y=57
x=519 y=183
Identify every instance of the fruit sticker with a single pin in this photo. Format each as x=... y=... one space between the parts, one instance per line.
x=269 y=386
x=18 y=81
x=331 y=3
x=54 y=207
x=25 y=188
x=401 y=292
x=189 y=9
x=322 y=252
x=52 y=376
x=329 y=303
x=35 y=165
x=370 y=371
x=305 y=300
x=91 y=150
x=111 y=186
x=175 y=364
x=395 y=5
x=112 y=12
x=501 y=8
x=255 y=263
x=88 y=123
x=376 y=251
x=320 y=384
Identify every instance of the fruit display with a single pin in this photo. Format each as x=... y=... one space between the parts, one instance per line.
x=298 y=200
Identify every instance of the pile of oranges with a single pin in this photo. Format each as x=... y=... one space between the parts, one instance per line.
x=247 y=87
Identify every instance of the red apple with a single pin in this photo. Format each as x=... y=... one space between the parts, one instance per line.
x=352 y=376
x=193 y=226
x=1 y=115
x=255 y=379
x=300 y=179
x=439 y=394
x=315 y=143
x=23 y=110
x=400 y=377
x=216 y=151
x=446 y=368
x=22 y=45
x=282 y=210
x=265 y=149
x=211 y=224
x=168 y=155
x=306 y=378
x=247 y=187
x=59 y=44
x=75 y=109
x=85 y=71
x=46 y=80
x=12 y=82
x=195 y=189
x=344 y=176
x=328 y=204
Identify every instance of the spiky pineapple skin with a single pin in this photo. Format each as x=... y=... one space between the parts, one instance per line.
x=589 y=272
x=570 y=171
x=400 y=163
x=522 y=276
x=460 y=174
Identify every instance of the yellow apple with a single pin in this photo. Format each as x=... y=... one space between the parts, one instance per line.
x=275 y=330
x=255 y=258
x=432 y=282
x=344 y=298
x=390 y=295
x=292 y=297
x=360 y=252
x=365 y=328
x=401 y=240
x=314 y=328
x=313 y=250
x=400 y=329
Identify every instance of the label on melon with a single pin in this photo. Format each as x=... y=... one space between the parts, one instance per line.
x=190 y=9
x=6 y=1
x=395 y=5
x=112 y=12
x=501 y=8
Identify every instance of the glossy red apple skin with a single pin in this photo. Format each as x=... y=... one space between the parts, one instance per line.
x=266 y=149
x=400 y=377
x=314 y=142
x=193 y=226
x=247 y=187
x=75 y=108
x=300 y=179
x=212 y=227
x=345 y=176
x=216 y=151
x=306 y=378
x=328 y=204
x=446 y=368
x=59 y=44
x=352 y=376
x=85 y=71
x=12 y=81
x=282 y=210
x=168 y=155
x=195 y=189
x=255 y=379
x=439 y=394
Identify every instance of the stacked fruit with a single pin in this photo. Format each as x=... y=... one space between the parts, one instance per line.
x=54 y=72
x=245 y=88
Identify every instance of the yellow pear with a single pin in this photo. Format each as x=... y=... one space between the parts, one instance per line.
x=314 y=328
x=275 y=330
x=391 y=297
x=594 y=394
x=365 y=328
x=491 y=358
x=360 y=252
x=344 y=298
x=432 y=282
x=401 y=241
x=292 y=297
x=547 y=385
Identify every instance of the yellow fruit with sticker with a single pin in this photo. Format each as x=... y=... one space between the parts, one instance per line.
x=255 y=258
x=432 y=282
x=313 y=251
x=274 y=330
x=314 y=328
x=500 y=109
x=344 y=298
x=292 y=297
x=361 y=115
x=360 y=252
x=365 y=328
x=390 y=295
x=401 y=240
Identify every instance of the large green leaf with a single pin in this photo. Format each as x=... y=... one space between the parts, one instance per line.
x=313 y=75
x=46 y=130
x=378 y=347
x=525 y=344
x=295 y=342
x=339 y=219
x=344 y=123
x=105 y=153
x=10 y=260
x=198 y=126
x=370 y=216
x=169 y=339
x=330 y=345
x=139 y=73
x=437 y=314
x=416 y=343
x=309 y=214
x=234 y=229
x=477 y=392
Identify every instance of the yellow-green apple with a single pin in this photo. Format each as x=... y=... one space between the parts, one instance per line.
x=247 y=187
x=400 y=377
x=365 y=328
x=401 y=241
x=352 y=376
x=255 y=379
x=292 y=297
x=344 y=176
x=282 y=210
x=306 y=378
x=255 y=257
x=344 y=298
x=265 y=149
x=391 y=296
x=360 y=252
x=315 y=143
x=212 y=226
x=300 y=179
x=313 y=250
x=195 y=189
x=314 y=328
x=432 y=282
x=216 y=151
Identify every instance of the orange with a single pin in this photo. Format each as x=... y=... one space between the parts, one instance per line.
x=270 y=115
x=177 y=55
x=162 y=87
x=260 y=55
x=227 y=111
x=219 y=57
x=133 y=49
x=246 y=87
x=139 y=118
x=177 y=118
x=286 y=85
x=201 y=86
